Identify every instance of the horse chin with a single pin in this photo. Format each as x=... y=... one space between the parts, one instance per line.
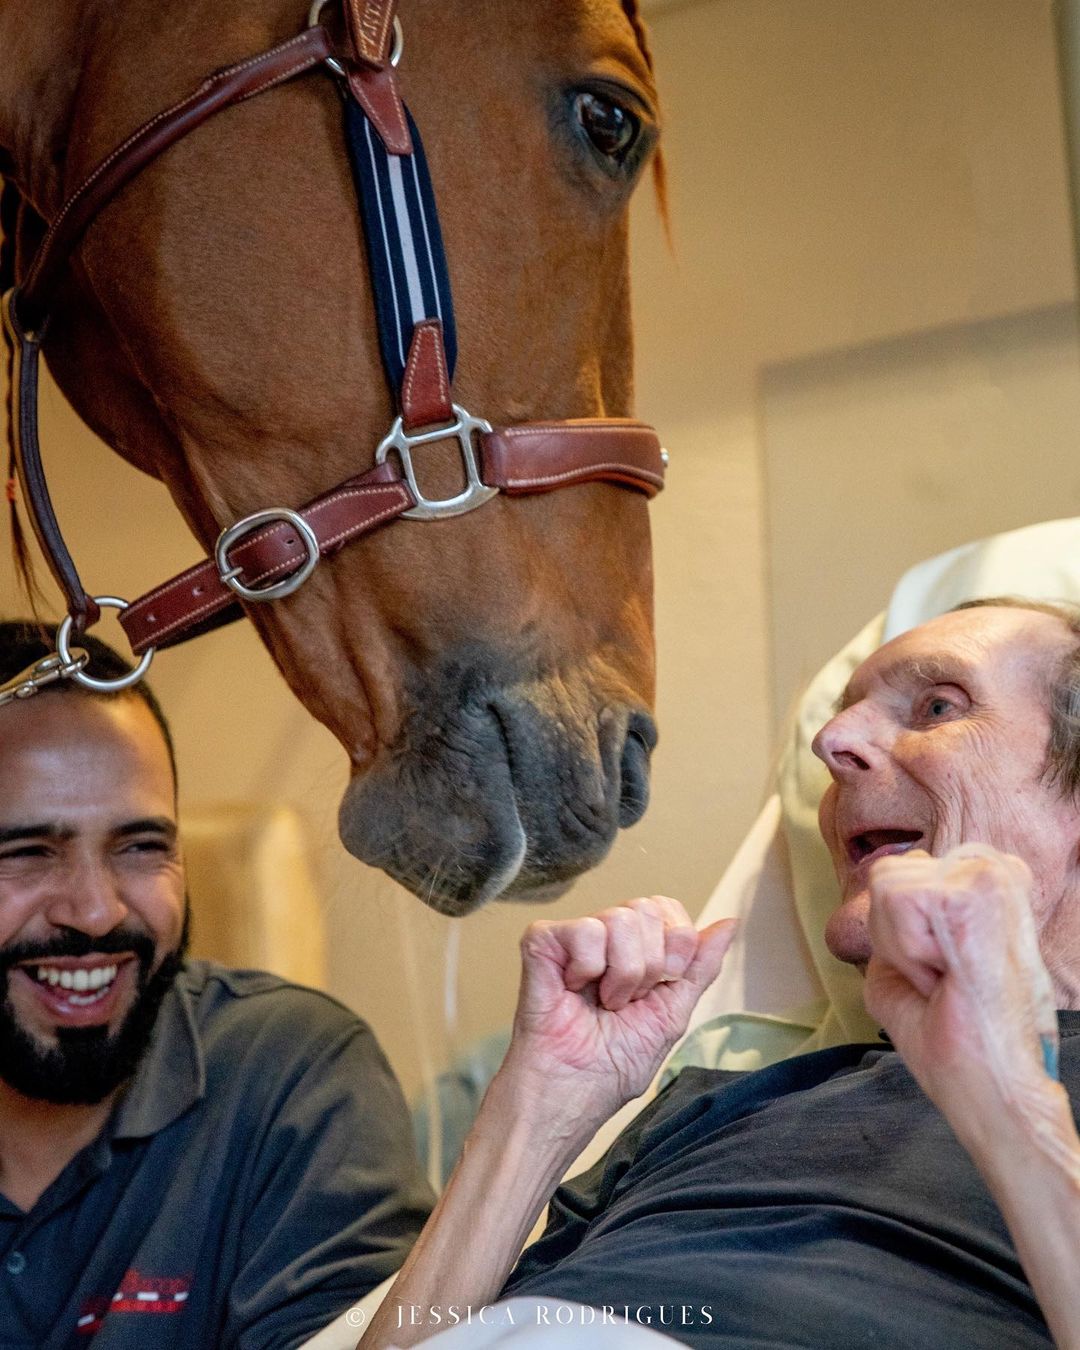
x=453 y=857
x=499 y=790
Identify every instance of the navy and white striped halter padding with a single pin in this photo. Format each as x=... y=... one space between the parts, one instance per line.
x=404 y=243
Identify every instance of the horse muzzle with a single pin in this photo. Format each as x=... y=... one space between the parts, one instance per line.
x=500 y=792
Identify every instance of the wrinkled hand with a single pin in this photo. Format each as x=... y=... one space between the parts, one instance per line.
x=957 y=979
x=604 y=999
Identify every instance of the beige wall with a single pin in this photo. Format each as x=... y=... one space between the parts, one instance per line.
x=861 y=352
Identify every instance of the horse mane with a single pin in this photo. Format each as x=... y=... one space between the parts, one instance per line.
x=659 y=165
x=10 y=206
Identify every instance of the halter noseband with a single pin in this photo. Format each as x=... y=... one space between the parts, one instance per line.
x=269 y=554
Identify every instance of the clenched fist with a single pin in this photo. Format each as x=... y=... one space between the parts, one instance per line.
x=957 y=980
x=604 y=999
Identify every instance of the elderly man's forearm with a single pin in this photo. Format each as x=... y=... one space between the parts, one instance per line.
x=1030 y=1160
x=515 y=1155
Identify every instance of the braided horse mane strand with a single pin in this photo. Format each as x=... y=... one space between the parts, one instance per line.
x=9 y=210
x=10 y=207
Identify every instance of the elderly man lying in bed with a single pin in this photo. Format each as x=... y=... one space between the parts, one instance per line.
x=924 y=1190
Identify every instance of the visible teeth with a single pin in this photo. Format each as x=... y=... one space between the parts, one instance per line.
x=79 y=980
x=81 y=1000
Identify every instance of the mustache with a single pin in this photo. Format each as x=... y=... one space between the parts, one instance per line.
x=75 y=944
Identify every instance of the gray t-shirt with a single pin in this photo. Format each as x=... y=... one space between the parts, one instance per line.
x=822 y=1202
x=258 y=1177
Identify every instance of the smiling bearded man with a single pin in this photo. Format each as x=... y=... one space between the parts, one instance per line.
x=919 y=1192
x=83 y=1061
x=78 y=1006
x=189 y=1155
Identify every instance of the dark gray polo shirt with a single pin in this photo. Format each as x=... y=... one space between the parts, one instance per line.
x=257 y=1178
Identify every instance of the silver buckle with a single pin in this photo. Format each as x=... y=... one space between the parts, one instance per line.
x=475 y=492
x=68 y=658
x=277 y=590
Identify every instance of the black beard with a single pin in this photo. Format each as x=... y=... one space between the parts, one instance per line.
x=87 y=1063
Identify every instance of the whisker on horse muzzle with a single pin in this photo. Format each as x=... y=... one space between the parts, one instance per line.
x=497 y=793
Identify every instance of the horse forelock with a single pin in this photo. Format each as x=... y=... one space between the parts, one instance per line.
x=632 y=11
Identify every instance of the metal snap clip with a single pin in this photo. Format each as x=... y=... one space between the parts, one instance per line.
x=34 y=678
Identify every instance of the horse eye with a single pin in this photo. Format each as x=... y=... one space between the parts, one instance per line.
x=609 y=126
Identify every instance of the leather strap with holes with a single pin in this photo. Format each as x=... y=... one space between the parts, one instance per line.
x=533 y=457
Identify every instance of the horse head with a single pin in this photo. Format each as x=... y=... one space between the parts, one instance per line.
x=490 y=676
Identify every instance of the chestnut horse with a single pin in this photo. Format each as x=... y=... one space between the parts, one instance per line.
x=490 y=677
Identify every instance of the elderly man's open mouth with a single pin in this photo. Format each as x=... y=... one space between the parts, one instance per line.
x=865 y=846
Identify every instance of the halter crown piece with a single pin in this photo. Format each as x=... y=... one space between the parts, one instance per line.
x=270 y=554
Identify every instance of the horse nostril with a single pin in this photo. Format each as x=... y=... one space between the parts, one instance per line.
x=634 y=782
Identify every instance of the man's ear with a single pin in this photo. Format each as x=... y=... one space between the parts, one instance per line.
x=1072 y=829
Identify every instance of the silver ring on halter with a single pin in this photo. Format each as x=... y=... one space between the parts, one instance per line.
x=279 y=589
x=397 y=46
x=63 y=635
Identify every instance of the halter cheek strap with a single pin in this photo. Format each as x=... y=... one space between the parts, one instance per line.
x=268 y=555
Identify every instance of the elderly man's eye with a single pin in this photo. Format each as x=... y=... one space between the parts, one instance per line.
x=938 y=706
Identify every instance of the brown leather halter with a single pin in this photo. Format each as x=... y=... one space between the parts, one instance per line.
x=275 y=550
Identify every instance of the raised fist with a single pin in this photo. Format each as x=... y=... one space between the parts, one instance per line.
x=604 y=999
x=956 y=977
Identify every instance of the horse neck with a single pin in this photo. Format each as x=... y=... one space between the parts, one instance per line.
x=43 y=52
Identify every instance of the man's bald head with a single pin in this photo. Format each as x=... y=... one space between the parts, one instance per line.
x=24 y=642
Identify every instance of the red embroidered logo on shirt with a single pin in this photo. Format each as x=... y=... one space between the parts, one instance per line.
x=138 y=1293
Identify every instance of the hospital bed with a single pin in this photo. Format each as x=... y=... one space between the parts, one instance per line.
x=780 y=992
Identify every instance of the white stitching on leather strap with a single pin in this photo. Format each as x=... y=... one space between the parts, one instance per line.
x=162 y=116
x=627 y=469
x=206 y=568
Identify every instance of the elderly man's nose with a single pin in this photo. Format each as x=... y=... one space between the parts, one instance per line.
x=842 y=747
x=90 y=902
